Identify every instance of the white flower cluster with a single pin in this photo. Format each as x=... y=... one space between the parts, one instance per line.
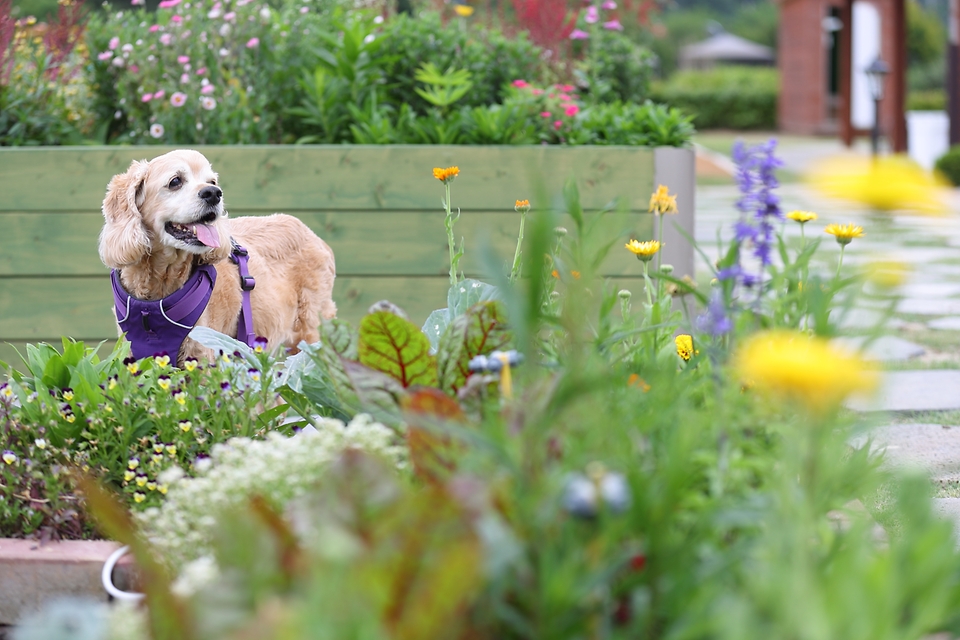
x=278 y=468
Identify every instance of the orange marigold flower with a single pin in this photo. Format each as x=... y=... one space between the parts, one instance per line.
x=446 y=175
x=522 y=206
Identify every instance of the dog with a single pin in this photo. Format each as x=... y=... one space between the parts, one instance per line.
x=165 y=219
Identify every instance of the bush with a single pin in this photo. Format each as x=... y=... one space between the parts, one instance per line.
x=949 y=165
x=724 y=97
x=931 y=100
x=492 y=59
x=614 y=68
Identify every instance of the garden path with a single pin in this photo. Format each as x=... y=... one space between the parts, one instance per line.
x=916 y=412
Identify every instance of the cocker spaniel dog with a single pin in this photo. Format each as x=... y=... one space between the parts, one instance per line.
x=172 y=247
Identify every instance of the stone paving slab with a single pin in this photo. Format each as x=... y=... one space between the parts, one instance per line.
x=884 y=348
x=945 y=324
x=931 y=290
x=932 y=449
x=931 y=390
x=930 y=307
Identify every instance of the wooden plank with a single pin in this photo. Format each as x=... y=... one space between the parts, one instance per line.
x=393 y=177
x=42 y=309
x=409 y=243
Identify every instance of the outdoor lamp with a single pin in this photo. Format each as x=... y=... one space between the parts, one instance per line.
x=876 y=74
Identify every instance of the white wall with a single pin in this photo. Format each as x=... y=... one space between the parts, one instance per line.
x=866 y=49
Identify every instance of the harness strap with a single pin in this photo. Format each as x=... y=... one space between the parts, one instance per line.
x=239 y=257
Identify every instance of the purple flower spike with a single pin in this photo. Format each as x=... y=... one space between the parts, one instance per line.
x=715 y=320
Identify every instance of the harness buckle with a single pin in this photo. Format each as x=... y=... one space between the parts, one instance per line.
x=238 y=250
x=247 y=283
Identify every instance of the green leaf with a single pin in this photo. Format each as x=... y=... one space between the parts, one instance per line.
x=55 y=373
x=379 y=394
x=435 y=325
x=339 y=334
x=462 y=296
x=478 y=332
x=395 y=346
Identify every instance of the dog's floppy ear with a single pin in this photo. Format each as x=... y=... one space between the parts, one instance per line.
x=123 y=239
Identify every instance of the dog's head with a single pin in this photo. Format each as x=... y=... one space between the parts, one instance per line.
x=171 y=201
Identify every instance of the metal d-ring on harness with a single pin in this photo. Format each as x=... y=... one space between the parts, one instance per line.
x=239 y=257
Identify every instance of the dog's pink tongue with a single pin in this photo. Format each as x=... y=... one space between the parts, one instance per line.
x=207 y=235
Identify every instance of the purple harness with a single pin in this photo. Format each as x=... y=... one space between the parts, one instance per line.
x=156 y=326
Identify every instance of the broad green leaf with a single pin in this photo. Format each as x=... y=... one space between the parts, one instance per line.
x=339 y=334
x=73 y=352
x=55 y=373
x=478 y=332
x=467 y=293
x=395 y=346
x=435 y=325
x=378 y=393
x=328 y=383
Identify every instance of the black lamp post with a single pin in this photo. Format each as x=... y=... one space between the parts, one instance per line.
x=876 y=74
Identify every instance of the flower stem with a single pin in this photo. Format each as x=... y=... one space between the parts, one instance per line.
x=647 y=285
x=840 y=261
x=448 y=222
x=660 y=239
x=515 y=272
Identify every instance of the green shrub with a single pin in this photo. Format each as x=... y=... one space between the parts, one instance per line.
x=949 y=165
x=724 y=97
x=614 y=68
x=493 y=59
x=930 y=100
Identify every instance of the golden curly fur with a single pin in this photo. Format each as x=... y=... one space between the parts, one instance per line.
x=163 y=217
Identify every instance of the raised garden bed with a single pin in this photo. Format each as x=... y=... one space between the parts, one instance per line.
x=378 y=207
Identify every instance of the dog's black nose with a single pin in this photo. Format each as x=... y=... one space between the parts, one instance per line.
x=211 y=195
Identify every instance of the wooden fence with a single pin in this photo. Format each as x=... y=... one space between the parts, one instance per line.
x=378 y=207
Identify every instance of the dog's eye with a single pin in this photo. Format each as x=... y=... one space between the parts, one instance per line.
x=214 y=182
x=175 y=183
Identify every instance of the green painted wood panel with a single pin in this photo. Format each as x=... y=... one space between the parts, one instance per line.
x=43 y=309
x=364 y=242
x=278 y=178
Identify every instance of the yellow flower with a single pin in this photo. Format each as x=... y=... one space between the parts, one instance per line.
x=662 y=202
x=844 y=233
x=162 y=361
x=139 y=497
x=190 y=364
x=151 y=486
x=162 y=488
x=133 y=368
x=802 y=216
x=163 y=382
x=133 y=463
x=446 y=175
x=129 y=475
x=685 y=348
x=171 y=449
x=643 y=250
x=522 y=206
x=890 y=183
x=141 y=480
x=811 y=370
x=185 y=425
x=888 y=274
x=463 y=10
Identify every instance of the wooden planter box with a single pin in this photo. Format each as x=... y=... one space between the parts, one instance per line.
x=378 y=207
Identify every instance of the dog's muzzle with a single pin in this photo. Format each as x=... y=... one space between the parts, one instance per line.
x=211 y=195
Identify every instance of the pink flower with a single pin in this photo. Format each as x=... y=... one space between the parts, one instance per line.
x=613 y=25
x=147 y=97
x=208 y=103
x=253 y=42
x=156 y=130
x=579 y=34
x=545 y=114
x=159 y=95
x=154 y=28
x=184 y=78
x=592 y=15
x=166 y=38
x=537 y=92
x=304 y=9
x=114 y=43
x=609 y=5
x=176 y=19
x=557 y=124
x=178 y=99
x=133 y=68
x=207 y=89
x=201 y=71
x=520 y=84
x=230 y=17
x=166 y=4
x=565 y=98
x=566 y=88
x=571 y=110
x=183 y=59
x=106 y=55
